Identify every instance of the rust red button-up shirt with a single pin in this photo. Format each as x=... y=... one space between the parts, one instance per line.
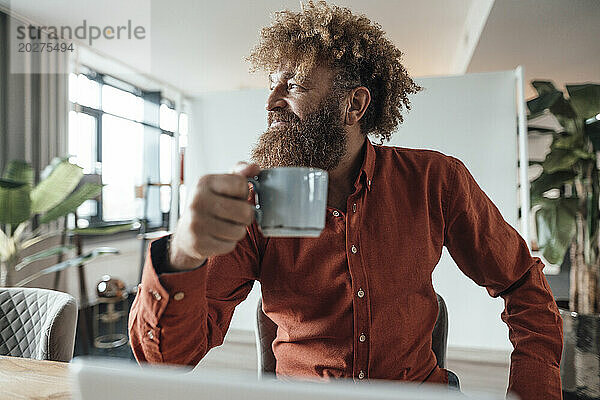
x=358 y=301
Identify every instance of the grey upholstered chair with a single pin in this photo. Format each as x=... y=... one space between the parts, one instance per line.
x=267 y=331
x=37 y=323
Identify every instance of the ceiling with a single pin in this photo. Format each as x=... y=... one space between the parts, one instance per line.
x=221 y=34
x=556 y=40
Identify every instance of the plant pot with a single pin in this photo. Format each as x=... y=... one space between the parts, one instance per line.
x=580 y=364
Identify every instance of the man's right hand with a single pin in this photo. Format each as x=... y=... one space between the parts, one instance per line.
x=215 y=220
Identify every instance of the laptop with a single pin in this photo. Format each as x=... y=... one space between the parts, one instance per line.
x=119 y=379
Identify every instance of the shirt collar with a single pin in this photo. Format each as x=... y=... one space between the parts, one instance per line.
x=368 y=165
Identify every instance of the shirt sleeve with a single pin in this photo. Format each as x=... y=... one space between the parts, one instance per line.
x=177 y=318
x=493 y=254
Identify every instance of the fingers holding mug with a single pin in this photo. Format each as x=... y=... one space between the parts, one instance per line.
x=246 y=169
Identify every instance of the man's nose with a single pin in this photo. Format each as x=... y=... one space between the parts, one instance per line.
x=276 y=100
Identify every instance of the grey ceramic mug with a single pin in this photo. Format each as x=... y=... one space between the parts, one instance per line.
x=290 y=201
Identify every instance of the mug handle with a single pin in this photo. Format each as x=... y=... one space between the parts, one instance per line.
x=257 y=211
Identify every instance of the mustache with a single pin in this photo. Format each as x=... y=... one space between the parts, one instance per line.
x=282 y=116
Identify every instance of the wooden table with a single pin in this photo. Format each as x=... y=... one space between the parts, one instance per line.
x=22 y=378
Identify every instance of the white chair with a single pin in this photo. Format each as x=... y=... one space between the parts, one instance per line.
x=37 y=323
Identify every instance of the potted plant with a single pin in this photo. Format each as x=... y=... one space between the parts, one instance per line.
x=22 y=204
x=565 y=202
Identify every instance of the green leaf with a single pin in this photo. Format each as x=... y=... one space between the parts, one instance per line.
x=567 y=117
x=556 y=227
x=552 y=99
x=540 y=131
x=544 y=87
x=563 y=160
x=530 y=162
x=18 y=171
x=585 y=99
x=70 y=204
x=568 y=142
x=15 y=189
x=584 y=155
x=56 y=161
x=103 y=230
x=593 y=132
x=545 y=182
x=73 y=262
x=10 y=184
x=53 y=251
x=15 y=202
x=543 y=102
x=55 y=187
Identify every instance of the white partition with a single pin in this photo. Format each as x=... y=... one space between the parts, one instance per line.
x=471 y=117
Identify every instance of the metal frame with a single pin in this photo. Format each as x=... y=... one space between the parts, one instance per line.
x=523 y=154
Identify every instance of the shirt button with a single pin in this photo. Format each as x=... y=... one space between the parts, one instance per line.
x=360 y=293
x=354 y=207
x=354 y=249
x=361 y=375
x=156 y=295
x=336 y=213
x=362 y=338
x=150 y=335
x=179 y=296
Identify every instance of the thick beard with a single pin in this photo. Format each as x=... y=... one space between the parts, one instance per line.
x=318 y=141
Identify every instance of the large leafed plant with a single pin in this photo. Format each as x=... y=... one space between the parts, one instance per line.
x=21 y=203
x=565 y=197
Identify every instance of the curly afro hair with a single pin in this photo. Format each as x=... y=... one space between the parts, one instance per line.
x=355 y=47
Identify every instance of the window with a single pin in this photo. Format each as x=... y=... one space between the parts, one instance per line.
x=84 y=91
x=166 y=166
x=121 y=103
x=168 y=118
x=82 y=141
x=122 y=167
x=123 y=136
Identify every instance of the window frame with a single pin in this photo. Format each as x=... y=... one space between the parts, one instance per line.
x=98 y=113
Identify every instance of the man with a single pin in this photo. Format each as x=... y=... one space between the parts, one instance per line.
x=358 y=301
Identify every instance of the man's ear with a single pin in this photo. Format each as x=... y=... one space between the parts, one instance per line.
x=357 y=102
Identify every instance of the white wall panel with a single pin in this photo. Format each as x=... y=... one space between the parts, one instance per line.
x=471 y=117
